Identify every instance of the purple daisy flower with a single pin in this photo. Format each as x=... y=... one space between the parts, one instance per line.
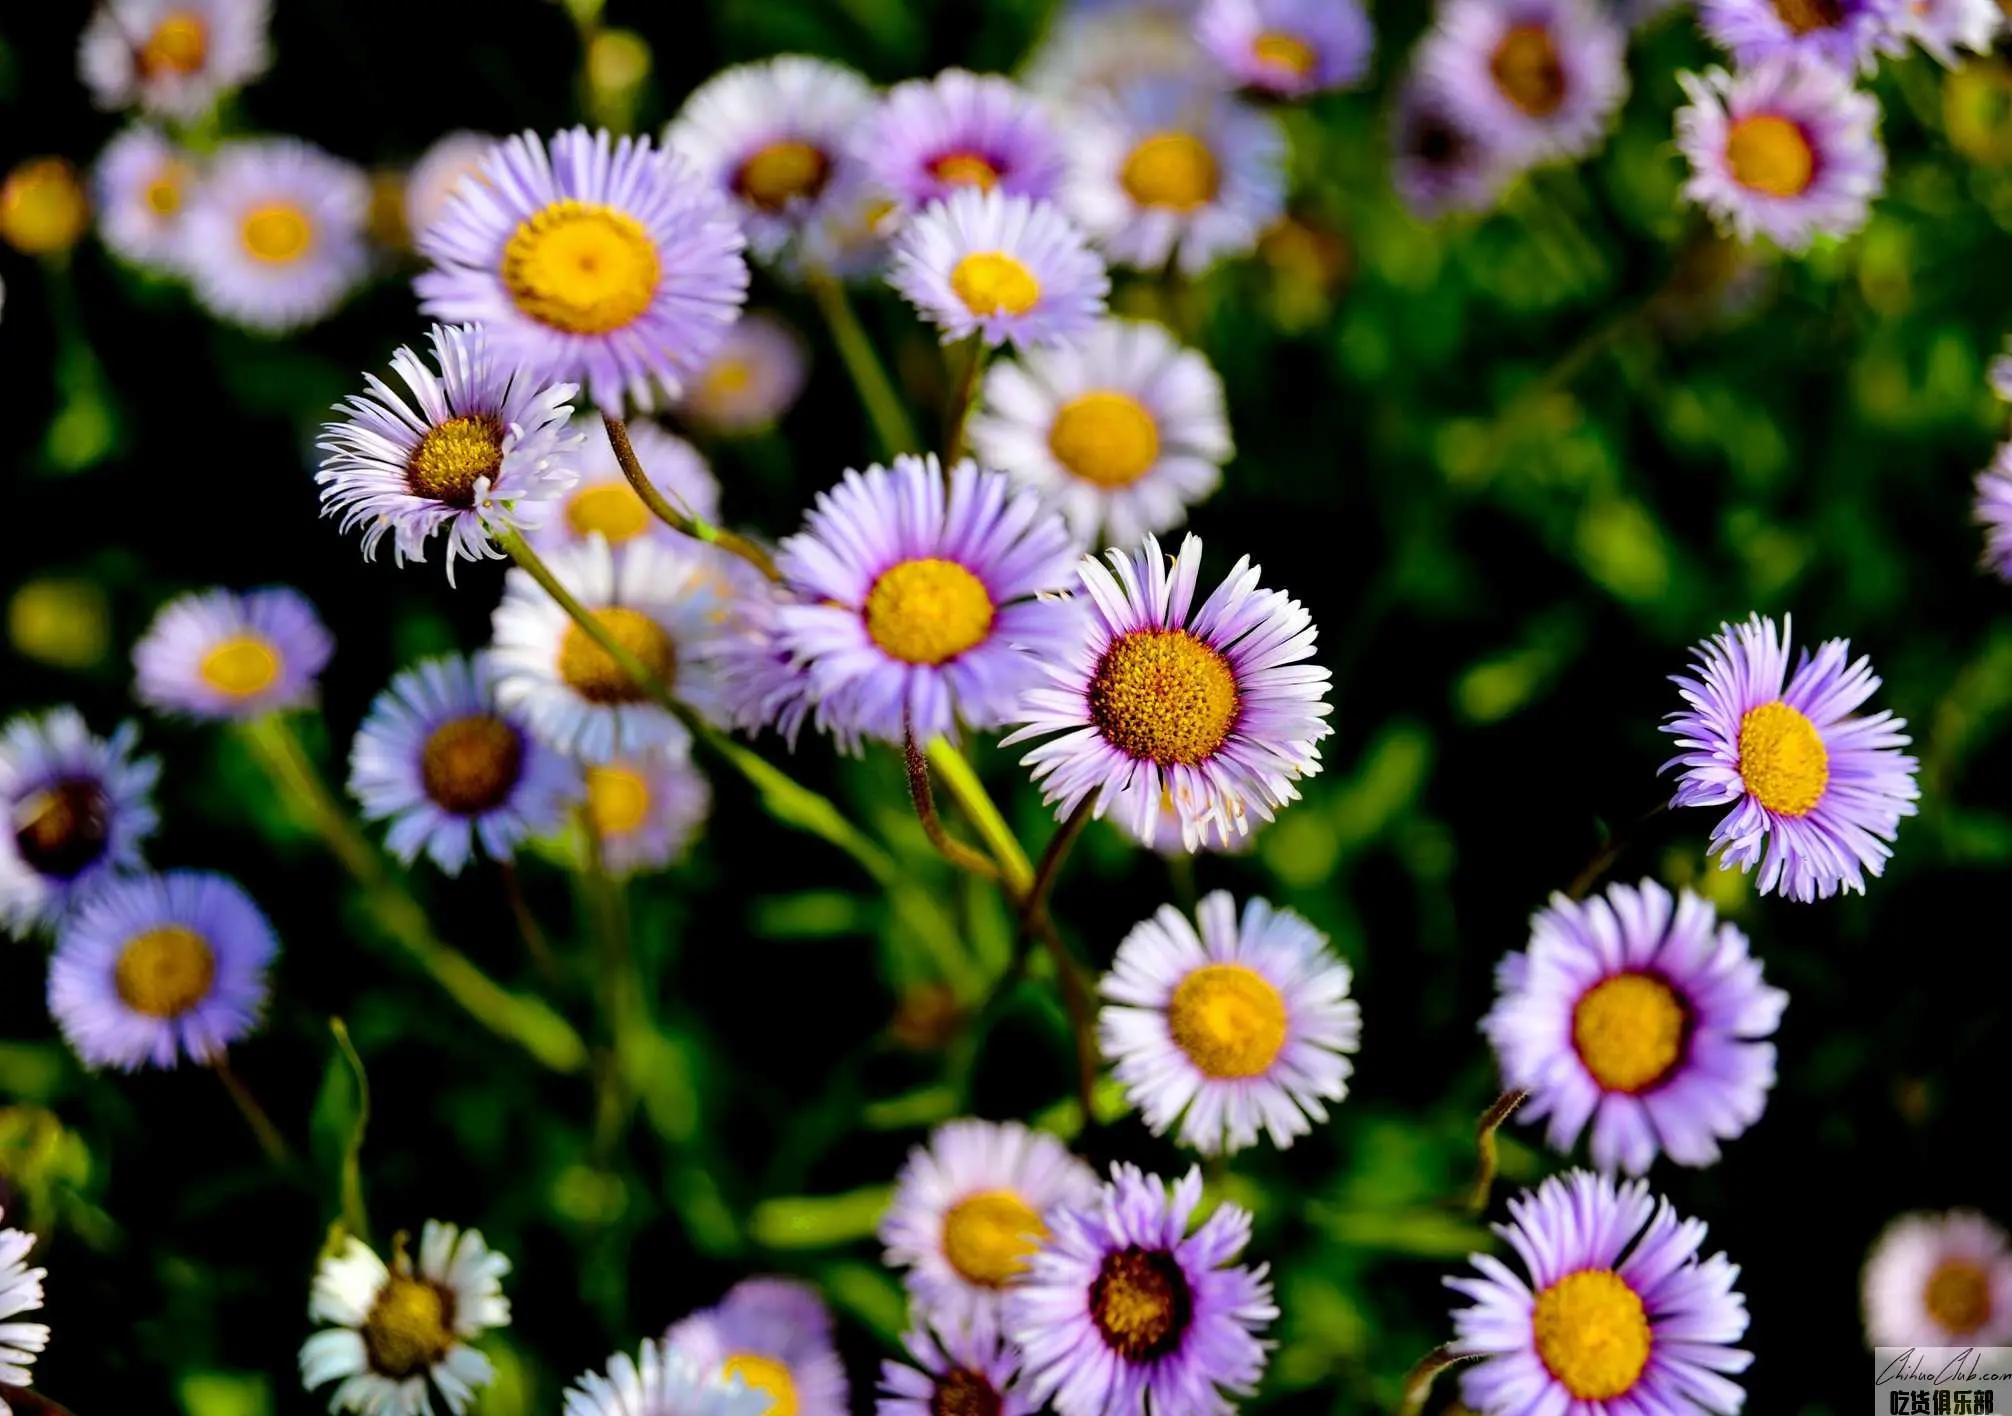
x=968 y=1210
x=1787 y=149
x=598 y=261
x=1216 y=706
x=999 y=267
x=173 y=57
x=1234 y=1029
x=1123 y=1310
x=1939 y=1280
x=1288 y=48
x=273 y=238
x=215 y=654
x=646 y=810
x=1542 y=78
x=753 y=379
x=964 y=1372
x=1848 y=35
x=141 y=187
x=1994 y=512
x=1944 y=26
x=1618 y=1313
x=775 y=1335
x=602 y=503
x=1815 y=794
x=448 y=767
x=76 y=808
x=1643 y=1015
x=762 y=683
x=916 y=597
x=480 y=446
x=160 y=967
x=1438 y=163
x=930 y=138
x=2001 y=373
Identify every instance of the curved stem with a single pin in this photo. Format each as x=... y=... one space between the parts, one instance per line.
x=1498 y=1112
x=884 y=408
x=1034 y=907
x=1603 y=859
x=679 y=520
x=1015 y=871
x=269 y=1139
x=947 y=846
x=1080 y=1004
x=528 y=928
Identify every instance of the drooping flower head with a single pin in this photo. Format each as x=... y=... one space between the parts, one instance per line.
x=1164 y=170
x=1848 y=35
x=1287 y=48
x=1787 y=149
x=1939 y=1280
x=645 y=810
x=215 y=654
x=916 y=597
x=955 y=1372
x=1617 y=1314
x=1235 y=1029
x=448 y=767
x=20 y=1292
x=602 y=503
x=273 y=238
x=479 y=446
x=1122 y=429
x=774 y=1334
x=1215 y=706
x=1123 y=1309
x=1643 y=1015
x=775 y=138
x=1005 y=268
x=592 y=260
x=969 y=1209
x=174 y=58
x=657 y=603
x=1815 y=793
x=439 y=171
x=1542 y=79
x=76 y=808
x=662 y=1381
x=1438 y=163
x=141 y=188
x=155 y=968
x=1994 y=512
x=1944 y=26
x=753 y=379
x=399 y=1334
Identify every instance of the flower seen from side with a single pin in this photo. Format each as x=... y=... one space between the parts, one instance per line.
x=218 y=654
x=273 y=237
x=77 y=809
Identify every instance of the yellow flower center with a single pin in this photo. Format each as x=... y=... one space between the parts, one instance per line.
x=618 y=800
x=1526 y=69
x=725 y=378
x=928 y=611
x=63 y=829
x=768 y=1376
x=1276 y=49
x=1769 y=153
x=1105 y=438
x=987 y=1237
x=591 y=671
x=611 y=508
x=1782 y=759
x=963 y=1392
x=241 y=666
x=1630 y=1030
x=965 y=169
x=178 y=45
x=409 y=1329
x=990 y=281
x=581 y=268
x=469 y=765
x=780 y=173
x=43 y=208
x=1173 y=170
x=277 y=233
x=1592 y=1334
x=1229 y=1020
x=1803 y=16
x=164 y=972
x=163 y=195
x=454 y=456
x=1140 y=1303
x=1162 y=695
x=1958 y=1296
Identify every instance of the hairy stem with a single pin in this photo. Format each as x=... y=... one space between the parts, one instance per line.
x=679 y=520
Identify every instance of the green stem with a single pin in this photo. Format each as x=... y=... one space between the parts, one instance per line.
x=616 y=986
x=1491 y=1121
x=884 y=407
x=526 y=1021
x=1035 y=906
x=1016 y=871
x=698 y=528
x=969 y=368
x=269 y=1139
x=947 y=846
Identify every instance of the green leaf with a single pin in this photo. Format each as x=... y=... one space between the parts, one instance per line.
x=818 y=1221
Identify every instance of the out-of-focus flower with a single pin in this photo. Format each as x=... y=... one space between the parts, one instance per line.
x=602 y=503
x=1288 y=48
x=43 y=207
x=215 y=654
x=20 y=1292
x=1939 y=1280
x=753 y=379
x=1994 y=512
x=77 y=808
x=172 y=58
x=932 y=137
x=273 y=238
x=775 y=1335
x=1848 y=35
x=645 y=810
x=438 y=172
x=662 y=1381
x=955 y=1370
x=1438 y=163
x=1541 y=79
x=1944 y=26
x=142 y=184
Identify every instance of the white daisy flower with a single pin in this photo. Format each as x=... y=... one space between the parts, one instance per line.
x=753 y=379
x=1944 y=26
x=141 y=187
x=1001 y=267
x=1122 y=430
x=1939 y=1280
x=647 y=809
x=453 y=158
x=401 y=1333
x=172 y=57
x=20 y=1292
x=662 y=1381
